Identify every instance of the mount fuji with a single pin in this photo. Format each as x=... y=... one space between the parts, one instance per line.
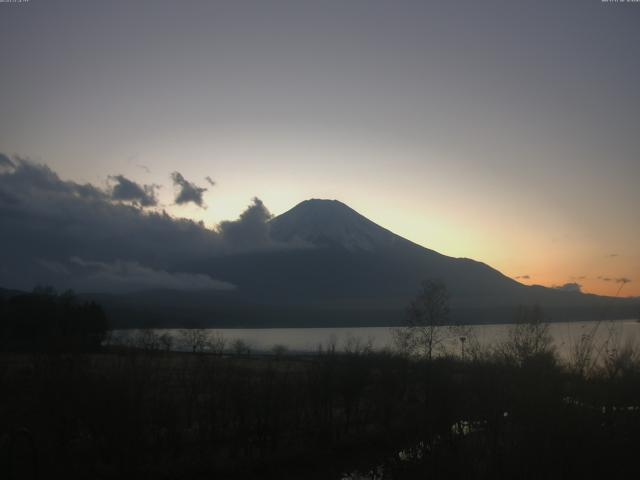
x=327 y=265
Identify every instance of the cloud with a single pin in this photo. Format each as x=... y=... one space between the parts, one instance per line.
x=570 y=287
x=129 y=191
x=523 y=277
x=250 y=230
x=131 y=276
x=187 y=191
x=55 y=267
x=615 y=280
x=210 y=181
x=44 y=217
x=30 y=180
x=46 y=220
x=613 y=255
x=6 y=163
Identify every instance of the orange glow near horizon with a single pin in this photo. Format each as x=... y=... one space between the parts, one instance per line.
x=528 y=255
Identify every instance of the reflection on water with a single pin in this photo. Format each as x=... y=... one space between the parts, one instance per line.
x=566 y=336
x=416 y=452
x=376 y=473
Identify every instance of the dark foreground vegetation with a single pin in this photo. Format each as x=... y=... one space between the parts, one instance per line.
x=142 y=414
x=46 y=321
x=513 y=411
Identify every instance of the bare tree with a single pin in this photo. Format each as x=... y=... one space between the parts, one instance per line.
x=240 y=347
x=166 y=340
x=427 y=314
x=279 y=350
x=356 y=346
x=147 y=340
x=621 y=359
x=583 y=352
x=216 y=343
x=529 y=337
x=195 y=338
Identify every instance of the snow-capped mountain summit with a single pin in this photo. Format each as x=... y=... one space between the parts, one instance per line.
x=330 y=223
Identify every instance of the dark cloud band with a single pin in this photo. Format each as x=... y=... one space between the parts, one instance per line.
x=46 y=221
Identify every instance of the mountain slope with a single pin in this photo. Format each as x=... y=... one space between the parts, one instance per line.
x=340 y=258
x=332 y=266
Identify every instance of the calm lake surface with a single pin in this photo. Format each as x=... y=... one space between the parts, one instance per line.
x=307 y=340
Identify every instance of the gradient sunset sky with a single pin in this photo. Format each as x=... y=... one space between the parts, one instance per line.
x=503 y=131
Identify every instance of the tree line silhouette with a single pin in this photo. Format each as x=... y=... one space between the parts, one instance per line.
x=44 y=320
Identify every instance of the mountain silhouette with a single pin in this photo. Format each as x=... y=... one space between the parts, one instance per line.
x=339 y=256
x=328 y=265
x=338 y=266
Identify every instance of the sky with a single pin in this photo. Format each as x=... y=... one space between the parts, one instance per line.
x=502 y=131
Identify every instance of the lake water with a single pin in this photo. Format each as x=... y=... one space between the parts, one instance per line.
x=307 y=340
